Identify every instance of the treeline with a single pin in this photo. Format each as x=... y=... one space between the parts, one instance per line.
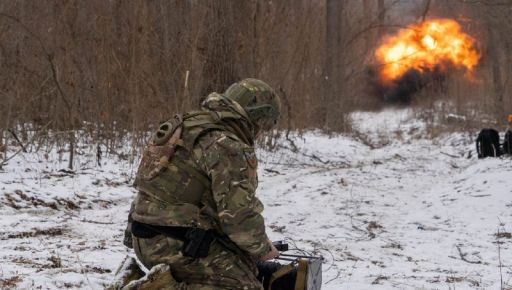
x=112 y=67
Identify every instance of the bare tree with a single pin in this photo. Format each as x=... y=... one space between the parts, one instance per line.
x=109 y=68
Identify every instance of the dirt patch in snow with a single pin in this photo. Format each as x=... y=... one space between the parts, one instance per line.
x=36 y=233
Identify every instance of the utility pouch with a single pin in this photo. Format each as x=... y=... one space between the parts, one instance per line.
x=197 y=243
x=161 y=148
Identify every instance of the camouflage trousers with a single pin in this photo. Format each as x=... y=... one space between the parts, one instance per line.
x=221 y=269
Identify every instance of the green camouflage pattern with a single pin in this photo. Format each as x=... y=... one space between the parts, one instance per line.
x=221 y=269
x=173 y=197
x=210 y=182
x=260 y=102
x=232 y=168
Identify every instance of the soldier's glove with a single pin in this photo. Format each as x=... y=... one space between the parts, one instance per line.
x=272 y=253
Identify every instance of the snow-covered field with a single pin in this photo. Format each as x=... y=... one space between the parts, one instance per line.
x=389 y=209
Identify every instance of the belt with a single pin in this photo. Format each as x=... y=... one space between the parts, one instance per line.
x=196 y=241
x=146 y=231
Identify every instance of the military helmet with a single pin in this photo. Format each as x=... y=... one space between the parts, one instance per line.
x=259 y=101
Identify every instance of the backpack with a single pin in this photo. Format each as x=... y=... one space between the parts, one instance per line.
x=507 y=145
x=488 y=143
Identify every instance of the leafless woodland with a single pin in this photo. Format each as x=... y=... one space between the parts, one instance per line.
x=111 y=69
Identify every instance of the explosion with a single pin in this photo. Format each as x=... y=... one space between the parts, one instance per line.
x=420 y=51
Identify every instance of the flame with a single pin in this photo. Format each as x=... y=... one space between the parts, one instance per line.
x=432 y=44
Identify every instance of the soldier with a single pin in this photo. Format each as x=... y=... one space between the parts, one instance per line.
x=507 y=144
x=196 y=209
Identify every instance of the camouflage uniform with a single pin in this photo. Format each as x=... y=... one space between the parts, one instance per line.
x=209 y=183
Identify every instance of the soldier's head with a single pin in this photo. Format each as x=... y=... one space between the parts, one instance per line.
x=259 y=101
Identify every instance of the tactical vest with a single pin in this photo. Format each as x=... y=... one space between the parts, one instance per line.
x=173 y=189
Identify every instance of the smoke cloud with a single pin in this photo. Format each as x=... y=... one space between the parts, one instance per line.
x=401 y=91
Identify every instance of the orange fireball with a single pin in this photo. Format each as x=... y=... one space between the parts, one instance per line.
x=435 y=43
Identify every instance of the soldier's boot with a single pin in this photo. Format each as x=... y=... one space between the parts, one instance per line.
x=159 y=277
x=128 y=271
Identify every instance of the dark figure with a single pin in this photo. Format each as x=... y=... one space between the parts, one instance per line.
x=507 y=145
x=488 y=143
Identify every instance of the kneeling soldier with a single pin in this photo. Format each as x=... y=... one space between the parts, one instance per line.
x=196 y=209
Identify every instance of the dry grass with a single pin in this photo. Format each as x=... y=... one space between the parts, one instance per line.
x=10 y=283
x=116 y=67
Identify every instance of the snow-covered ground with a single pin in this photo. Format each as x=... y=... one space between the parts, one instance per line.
x=387 y=209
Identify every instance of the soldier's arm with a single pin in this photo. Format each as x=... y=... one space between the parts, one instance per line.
x=233 y=187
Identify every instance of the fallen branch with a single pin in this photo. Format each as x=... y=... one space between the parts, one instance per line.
x=463 y=256
x=449 y=155
x=7 y=159
x=271 y=171
x=17 y=140
x=96 y=222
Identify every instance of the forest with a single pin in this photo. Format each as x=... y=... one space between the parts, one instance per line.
x=111 y=68
x=372 y=168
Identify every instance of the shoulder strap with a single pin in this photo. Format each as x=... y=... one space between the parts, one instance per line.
x=201 y=122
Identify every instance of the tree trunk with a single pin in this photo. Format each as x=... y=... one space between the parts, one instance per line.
x=219 y=48
x=332 y=97
x=497 y=78
x=381 y=17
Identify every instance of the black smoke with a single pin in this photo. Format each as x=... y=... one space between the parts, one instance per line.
x=402 y=91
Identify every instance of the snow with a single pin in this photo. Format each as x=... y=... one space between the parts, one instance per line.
x=387 y=208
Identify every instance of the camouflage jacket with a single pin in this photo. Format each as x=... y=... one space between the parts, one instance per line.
x=210 y=180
